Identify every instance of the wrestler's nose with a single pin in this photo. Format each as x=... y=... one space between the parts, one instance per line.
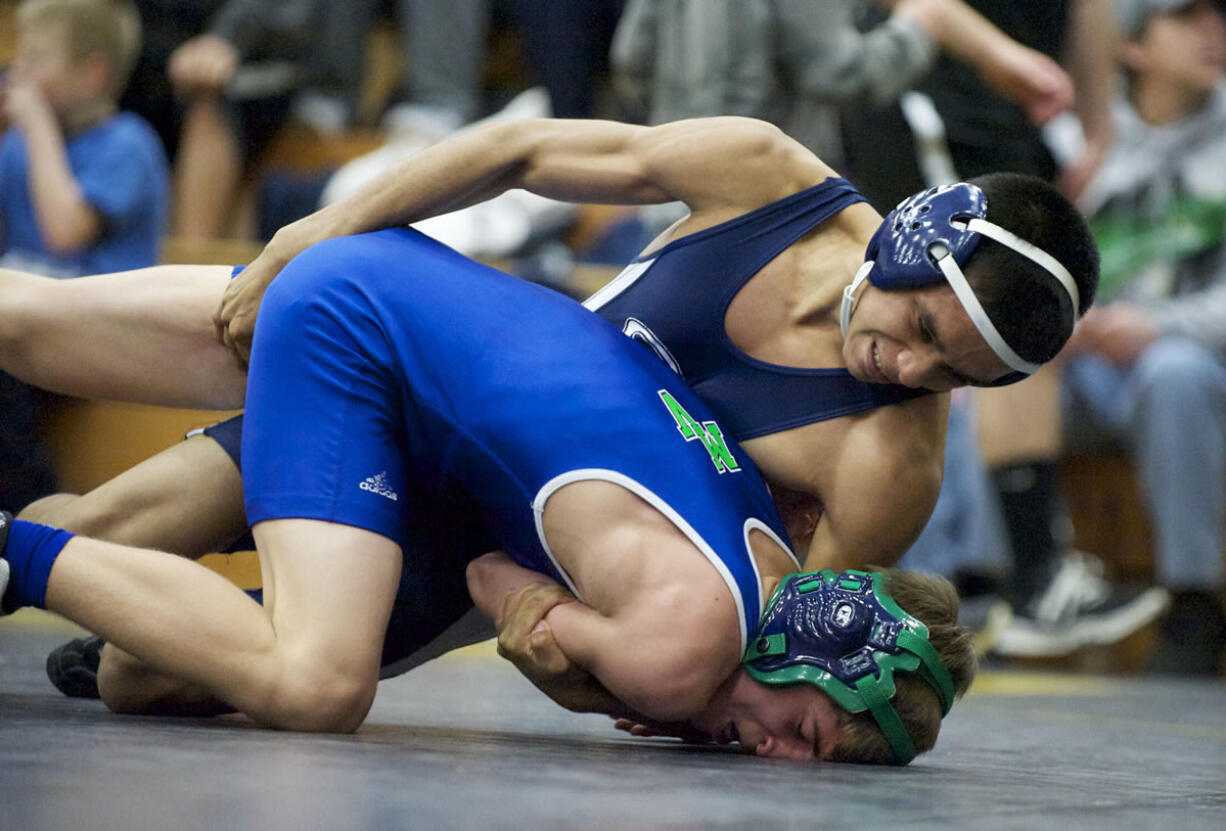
x=775 y=748
x=918 y=366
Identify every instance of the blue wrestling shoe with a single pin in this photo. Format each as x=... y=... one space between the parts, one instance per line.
x=73 y=667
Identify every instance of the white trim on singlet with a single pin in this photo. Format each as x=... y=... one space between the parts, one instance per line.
x=648 y=496
x=755 y=524
x=624 y=280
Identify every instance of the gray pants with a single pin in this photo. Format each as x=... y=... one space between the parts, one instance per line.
x=1169 y=410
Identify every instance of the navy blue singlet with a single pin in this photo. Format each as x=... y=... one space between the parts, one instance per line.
x=678 y=296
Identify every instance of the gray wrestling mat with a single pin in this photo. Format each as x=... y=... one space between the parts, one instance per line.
x=464 y=743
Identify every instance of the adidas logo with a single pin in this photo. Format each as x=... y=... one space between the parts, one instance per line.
x=378 y=484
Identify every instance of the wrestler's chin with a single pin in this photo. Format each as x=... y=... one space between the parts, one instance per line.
x=855 y=368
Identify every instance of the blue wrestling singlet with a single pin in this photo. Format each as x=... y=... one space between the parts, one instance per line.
x=678 y=296
x=391 y=374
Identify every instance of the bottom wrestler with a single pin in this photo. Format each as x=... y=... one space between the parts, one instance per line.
x=380 y=393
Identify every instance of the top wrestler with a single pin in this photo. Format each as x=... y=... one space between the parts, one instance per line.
x=742 y=297
x=387 y=413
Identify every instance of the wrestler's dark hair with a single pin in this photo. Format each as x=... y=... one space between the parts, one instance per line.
x=934 y=602
x=1029 y=308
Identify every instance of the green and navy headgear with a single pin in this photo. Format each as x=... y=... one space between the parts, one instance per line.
x=844 y=634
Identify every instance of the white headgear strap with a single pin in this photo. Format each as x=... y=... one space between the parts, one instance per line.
x=966 y=296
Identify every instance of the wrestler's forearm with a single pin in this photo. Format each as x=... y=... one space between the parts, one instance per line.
x=470 y=168
x=494 y=578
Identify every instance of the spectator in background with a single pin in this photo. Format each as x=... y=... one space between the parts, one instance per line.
x=82 y=186
x=985 y=128
x=215 y=78
x=796 y=63
x=446 y=47
x=1060 y=598
x=1149 y=366
x=792 y=62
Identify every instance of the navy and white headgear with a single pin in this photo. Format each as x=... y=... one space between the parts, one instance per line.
x=930 y=237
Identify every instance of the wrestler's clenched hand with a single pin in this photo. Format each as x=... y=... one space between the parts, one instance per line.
x=526 y=640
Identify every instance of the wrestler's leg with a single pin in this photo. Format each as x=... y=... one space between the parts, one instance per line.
x=307 y=661
x=144 y=336
x=186 y=500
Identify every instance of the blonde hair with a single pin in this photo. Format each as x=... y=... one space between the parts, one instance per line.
x=110 y=28
x=934 y=602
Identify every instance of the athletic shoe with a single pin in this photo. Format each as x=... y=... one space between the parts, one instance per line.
x=1192 y=641
x=5 y=519
x=73 y=667
x=1078 y=608
x=987 y=616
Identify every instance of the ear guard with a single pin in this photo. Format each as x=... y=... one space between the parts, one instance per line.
x=845 y=635
x=930 y=237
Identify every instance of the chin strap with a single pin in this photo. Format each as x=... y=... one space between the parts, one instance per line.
x=849 y=296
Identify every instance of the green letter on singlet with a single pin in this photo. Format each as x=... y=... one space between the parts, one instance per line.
x=707 y=432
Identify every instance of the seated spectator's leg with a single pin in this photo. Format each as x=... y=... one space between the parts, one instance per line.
x=144 y=336
x=208 y=168
x=444 y=75
x=1019 y=430
x=333 y=98
x=963 y=534
x=1177 y=422
x=567 y=46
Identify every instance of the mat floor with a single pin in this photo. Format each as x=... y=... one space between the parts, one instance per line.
x=465 y=743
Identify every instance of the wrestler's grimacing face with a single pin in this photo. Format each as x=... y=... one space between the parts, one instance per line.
x=793 y=722
x=920 y=338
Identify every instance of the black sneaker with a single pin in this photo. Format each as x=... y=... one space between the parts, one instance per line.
x=73 y=667
x=1193 y=637
x=1076 y=609
x=5 y=519
x=987 y=616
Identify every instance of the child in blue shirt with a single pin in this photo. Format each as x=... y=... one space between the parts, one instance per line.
x=83 y=188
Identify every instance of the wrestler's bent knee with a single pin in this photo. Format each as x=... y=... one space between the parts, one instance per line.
x=317 y=699
x=57 y=510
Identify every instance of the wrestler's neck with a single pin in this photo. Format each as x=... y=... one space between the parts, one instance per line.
x=788 y=313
